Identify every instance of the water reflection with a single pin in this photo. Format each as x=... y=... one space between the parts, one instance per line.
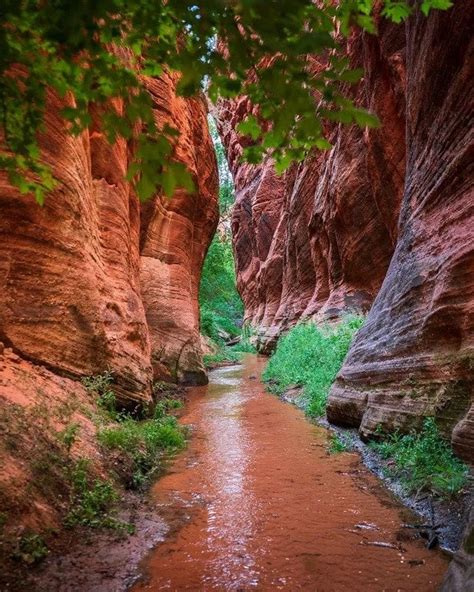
x=257 y=503
x=232 y=509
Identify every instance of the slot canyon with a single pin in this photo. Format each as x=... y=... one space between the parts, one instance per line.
x=97 y=282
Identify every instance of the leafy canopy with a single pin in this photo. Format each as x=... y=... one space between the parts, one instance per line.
x=66 y=46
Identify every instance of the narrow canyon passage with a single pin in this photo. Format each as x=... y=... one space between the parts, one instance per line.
x=257 y=503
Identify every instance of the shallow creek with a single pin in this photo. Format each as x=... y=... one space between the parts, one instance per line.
x=257 y=503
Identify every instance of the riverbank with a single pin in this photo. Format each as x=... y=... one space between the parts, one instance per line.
x=264 y=506
x=256 y=501
x=444 y=520
x=73 y=473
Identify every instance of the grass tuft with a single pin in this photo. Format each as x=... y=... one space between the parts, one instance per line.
x=310 y=356
x=337 y=445
x=141 y=443
x=423 y=461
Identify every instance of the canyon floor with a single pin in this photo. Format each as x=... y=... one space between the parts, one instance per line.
x=257 y=502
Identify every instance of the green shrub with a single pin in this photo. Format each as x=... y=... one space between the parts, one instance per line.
x=221 y=306
x=220 y=303
x=100 y=386
x=31 y=549
x=164 y=406
x=92 y=500
x=423 y=461
x=141 y=443
x=310 y=356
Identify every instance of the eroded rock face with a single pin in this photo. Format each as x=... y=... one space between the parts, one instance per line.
x=317 y=241
x=357 y=224
x=460 y=575
x=72 y=296
x=175 y=235
x=414 y=356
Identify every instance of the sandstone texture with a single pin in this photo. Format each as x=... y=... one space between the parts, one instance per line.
x=382 y=223
x=317 y=240
x=414 y=356
x=89 y=282
x=175 y=235
x=36 y=405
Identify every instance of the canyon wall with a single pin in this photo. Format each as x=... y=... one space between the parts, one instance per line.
x=383 y=223
x=175 y=235
x=415 y=354
x=89 y=282
x=318 y=240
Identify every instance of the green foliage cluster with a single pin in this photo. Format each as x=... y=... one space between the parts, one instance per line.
x=65 y=46
x=165 y=406
x=31 y=549
x=337 y=445
x=92 y=500
x=100 y=385
x=139 y=441
x=142 y=442
x=423 y=461
x=220 y=304
x=310 y=356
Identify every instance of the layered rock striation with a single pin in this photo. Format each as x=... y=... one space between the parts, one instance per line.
x=415 y=355
x=91 y=282
x=175 y=235
x=317 y=240
x=382 y=223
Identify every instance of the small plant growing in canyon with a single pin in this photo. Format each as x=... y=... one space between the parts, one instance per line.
x=311 y=356
x=164 y=406
x=92 y=500
x=141 y=443
x=423 y=461
x=69 y=435
x=107 y=401
x=31 y=549
x=99 y=383
x=100 y=386
x=337 y=445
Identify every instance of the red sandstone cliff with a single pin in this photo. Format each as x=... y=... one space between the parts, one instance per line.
x=79 y=291
x=353 y=223
x=175 y=235
x=318 y=240
x=414 y=356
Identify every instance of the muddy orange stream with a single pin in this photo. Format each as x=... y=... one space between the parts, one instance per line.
x=257 y=503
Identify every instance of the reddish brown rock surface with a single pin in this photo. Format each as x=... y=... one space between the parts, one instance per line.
x=318 y=240
x=72 y=296
x=414 y=356
x=175 y=235
x=323 y=238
